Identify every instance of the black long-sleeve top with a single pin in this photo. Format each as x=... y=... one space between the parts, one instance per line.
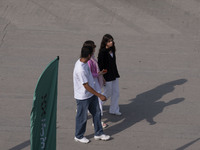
x=106 y=61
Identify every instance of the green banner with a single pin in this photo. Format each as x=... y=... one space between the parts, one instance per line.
x=43 y=114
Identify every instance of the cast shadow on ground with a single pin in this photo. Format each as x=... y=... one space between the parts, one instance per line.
x=21 y=145
x=188 y=144
x=144 y=106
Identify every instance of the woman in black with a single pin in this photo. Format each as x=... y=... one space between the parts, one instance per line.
x=107 y=61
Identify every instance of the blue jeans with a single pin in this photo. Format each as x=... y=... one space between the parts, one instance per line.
x=83 y=106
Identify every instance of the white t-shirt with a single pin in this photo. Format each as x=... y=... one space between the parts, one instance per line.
x=81 y=75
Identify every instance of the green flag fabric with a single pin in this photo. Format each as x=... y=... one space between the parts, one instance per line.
x=44 y=110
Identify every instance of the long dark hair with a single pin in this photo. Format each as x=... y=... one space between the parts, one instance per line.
x=105 y=40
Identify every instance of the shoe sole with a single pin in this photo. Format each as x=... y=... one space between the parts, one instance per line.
x=80 y=141
x=102 y=139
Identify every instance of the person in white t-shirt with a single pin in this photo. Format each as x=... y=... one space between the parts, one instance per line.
x=86 y=98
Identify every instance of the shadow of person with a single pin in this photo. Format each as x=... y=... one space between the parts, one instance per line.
x=144 y=106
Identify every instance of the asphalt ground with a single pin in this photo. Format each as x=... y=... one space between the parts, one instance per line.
x=158 y=53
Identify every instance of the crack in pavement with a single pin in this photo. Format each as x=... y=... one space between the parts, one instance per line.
x=5 y=32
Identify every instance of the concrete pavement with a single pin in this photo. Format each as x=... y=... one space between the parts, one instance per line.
x=157 y=55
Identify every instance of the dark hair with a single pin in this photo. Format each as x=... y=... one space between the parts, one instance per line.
x=86 y=51
x=105 y=40
x=89 y=43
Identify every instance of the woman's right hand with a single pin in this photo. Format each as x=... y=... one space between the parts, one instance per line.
x=104 y=71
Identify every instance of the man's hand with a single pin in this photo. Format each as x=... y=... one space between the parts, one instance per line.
x=102 y=97
x=91 y=90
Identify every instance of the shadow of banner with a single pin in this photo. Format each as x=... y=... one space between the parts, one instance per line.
x=21 y=146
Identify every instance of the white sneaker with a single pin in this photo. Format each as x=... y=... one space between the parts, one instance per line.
x=118 y=113
x=83 y=140
x=102 y=137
